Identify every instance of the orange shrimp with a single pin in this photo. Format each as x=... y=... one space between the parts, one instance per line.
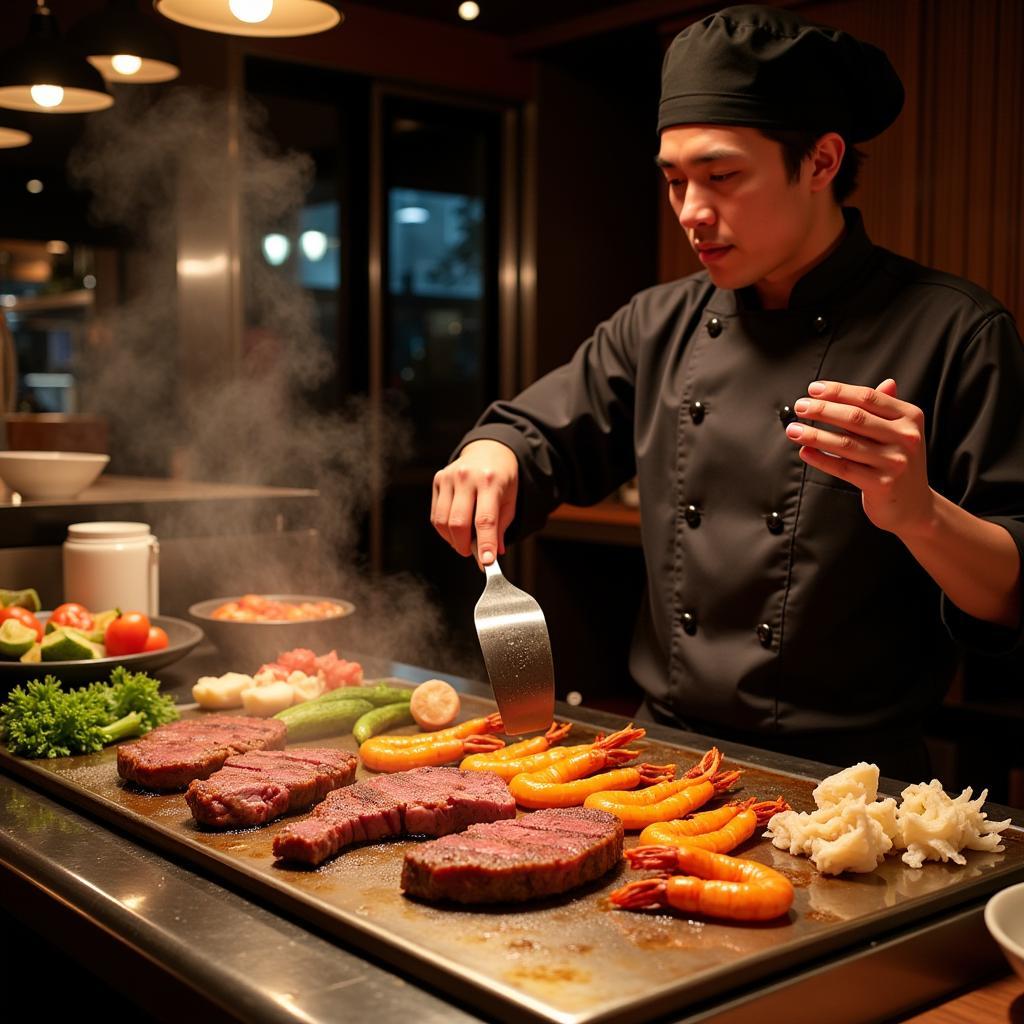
x=717 y=885
x=473 y=727
x=663 y=802
x=705 y=768
x=379 y=757
x=720 y=830
x=565 y=783
x=515 y=753
x=508 y=770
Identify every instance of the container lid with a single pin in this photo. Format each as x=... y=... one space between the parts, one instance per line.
x=107 y=531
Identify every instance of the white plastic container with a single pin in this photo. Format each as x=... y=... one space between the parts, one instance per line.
x=112 y=565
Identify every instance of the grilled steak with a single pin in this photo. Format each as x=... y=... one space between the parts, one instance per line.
x=539 y=854
x=262 y=785
x=172 y=755
x=424 y=801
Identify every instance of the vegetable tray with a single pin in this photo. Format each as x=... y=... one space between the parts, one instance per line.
x=570 y=959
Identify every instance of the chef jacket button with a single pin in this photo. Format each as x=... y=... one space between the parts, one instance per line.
x=692 y=515
x=820 y=325
x=774 y=522
x=714 y=327
x=697 y=411
x=689 y=623
x=764 y=634
x=786 y=415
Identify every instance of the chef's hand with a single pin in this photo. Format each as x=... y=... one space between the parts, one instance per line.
x=477 y=491
x=881 y=449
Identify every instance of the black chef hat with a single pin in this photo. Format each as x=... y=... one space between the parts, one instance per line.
x=761 y=67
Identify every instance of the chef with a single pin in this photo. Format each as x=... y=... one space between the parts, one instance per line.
x=828 y=438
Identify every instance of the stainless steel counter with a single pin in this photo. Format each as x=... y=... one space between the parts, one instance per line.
x=195 y=947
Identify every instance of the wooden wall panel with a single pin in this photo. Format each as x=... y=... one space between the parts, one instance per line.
x=945 y=184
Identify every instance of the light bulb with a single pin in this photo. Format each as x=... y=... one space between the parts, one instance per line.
x=469 y=10
x=276 y=249
x=251 y=11
x=314 y=245
x=48 y=96
x=125 y=63
x=412 y=215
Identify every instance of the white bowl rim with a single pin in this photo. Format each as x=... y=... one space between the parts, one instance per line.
x=20 y=456
x=992 y=909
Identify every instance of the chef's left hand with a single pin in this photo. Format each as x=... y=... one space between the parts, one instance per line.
x=880 y=448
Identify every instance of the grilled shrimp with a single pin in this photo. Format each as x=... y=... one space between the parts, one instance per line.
x=565 y=783
x=434 y=749
x=720 y=830
x=717 y=885
x=507 y=761
x=473 y=727
x=530 y=763
x=662 y=802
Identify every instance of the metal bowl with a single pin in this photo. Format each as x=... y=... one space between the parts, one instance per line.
x=1004 y=916
x=247 y=645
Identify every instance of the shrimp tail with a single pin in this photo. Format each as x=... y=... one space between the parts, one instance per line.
x=620 y=738
x=724 y=781
x=767 y=809
x=613 y=758
x=557 y=731
x=494 y=723
x=648 y=892
x=481 y=744
x=653 y=858
x=706 y=766
x=650 y=774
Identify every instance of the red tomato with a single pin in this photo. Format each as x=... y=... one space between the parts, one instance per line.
x=156 y=640
x=24 y=616
x=127 y=634
x=71 y=614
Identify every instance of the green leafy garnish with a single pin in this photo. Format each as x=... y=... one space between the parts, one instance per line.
x=44 y=720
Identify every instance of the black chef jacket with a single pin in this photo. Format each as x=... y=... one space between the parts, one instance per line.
x=775 y=611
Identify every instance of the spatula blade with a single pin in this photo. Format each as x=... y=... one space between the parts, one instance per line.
x=517 y=653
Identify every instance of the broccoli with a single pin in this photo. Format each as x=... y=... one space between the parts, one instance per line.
x=44 y=720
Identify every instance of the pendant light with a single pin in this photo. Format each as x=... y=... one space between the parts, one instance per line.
x=125 y=45
x=46 y=75
x=253 y=17
x=11 y=138
x=14 y=129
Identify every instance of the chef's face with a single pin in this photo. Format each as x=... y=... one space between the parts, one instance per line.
x=731 y=193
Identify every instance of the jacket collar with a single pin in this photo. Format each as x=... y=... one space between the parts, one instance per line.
x=824 y=286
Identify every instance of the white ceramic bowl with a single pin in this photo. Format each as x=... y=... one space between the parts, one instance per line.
x=1004 y=916
x=42 y=476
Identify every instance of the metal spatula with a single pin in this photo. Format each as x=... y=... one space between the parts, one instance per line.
x=517 y=653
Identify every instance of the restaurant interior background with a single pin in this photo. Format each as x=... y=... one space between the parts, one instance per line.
x=385 y=226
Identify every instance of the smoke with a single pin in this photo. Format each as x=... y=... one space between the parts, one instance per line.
x=265 y=421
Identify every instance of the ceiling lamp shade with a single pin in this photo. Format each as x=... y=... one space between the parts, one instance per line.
x=125 y=45
x=48 y=76
x=253 y=17
x=11 y=138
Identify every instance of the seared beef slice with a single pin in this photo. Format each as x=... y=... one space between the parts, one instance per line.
x=262 y=785
x=424 y=801
x=540 y=854
x=172 y=755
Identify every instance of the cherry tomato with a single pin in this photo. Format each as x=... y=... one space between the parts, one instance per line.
x=156 y=640
x=127 y=634
x=25 y=617
x=71 y=614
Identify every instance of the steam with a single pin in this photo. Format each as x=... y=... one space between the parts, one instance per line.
x=139 y=160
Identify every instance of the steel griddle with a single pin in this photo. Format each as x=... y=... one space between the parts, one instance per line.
x=572 y=959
